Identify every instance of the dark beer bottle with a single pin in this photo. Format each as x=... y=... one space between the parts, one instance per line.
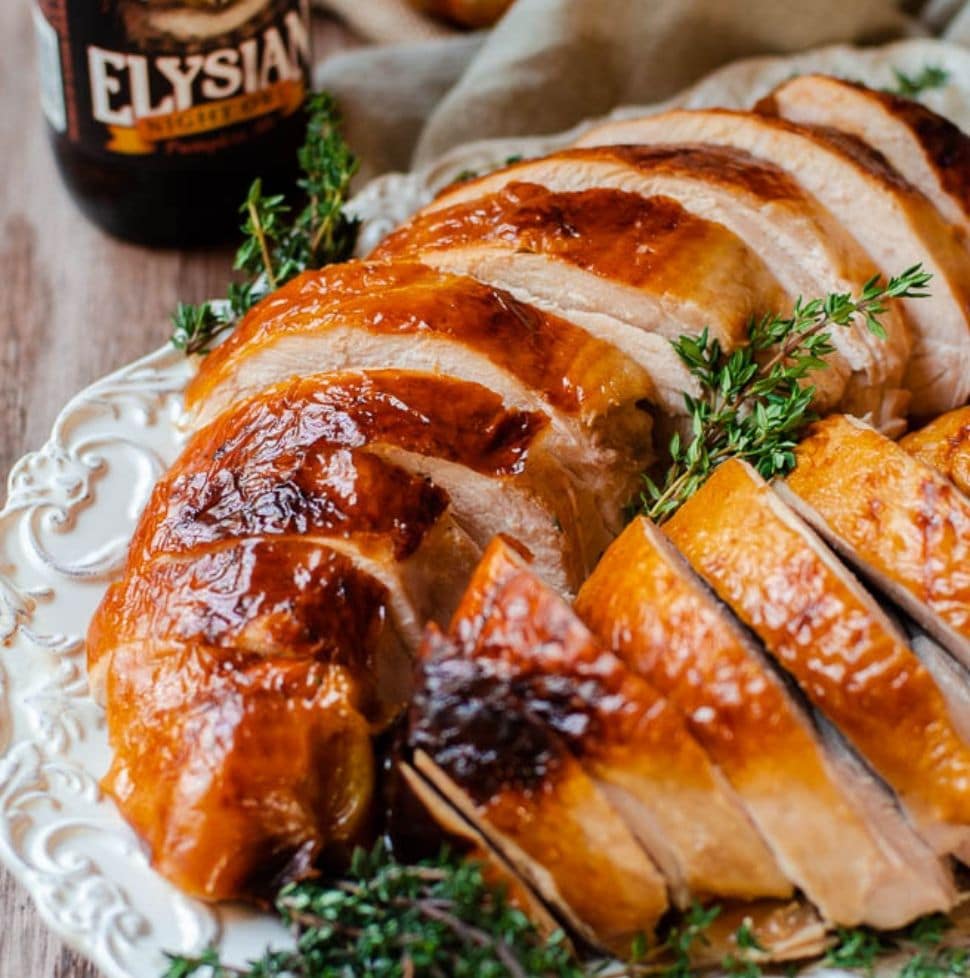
x=162 y=112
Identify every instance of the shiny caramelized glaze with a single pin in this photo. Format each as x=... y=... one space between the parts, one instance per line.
x=623 y=732
x=899 y=516
x=335 y=492
x=283 y=597
x=644 y=602
x=553 y=357
x=238 y=770
x=844 y=654
x=294 y=460
x=638 y=241
x=240 y=609
x=642 y=605
x=944 y=445
x=512 y=775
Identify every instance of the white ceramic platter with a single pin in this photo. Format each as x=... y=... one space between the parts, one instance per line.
x=69 y=513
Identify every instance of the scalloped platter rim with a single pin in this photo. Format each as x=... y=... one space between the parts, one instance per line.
x=69 y=513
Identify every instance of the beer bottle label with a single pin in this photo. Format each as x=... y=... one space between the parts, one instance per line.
x=171 y=77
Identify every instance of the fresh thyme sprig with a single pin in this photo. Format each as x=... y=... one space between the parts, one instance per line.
x=387 y=920
x=753 y=404
x=441 y=917
x=671 y=957
x=859 y=948
x=912 y=86
x=276 y=246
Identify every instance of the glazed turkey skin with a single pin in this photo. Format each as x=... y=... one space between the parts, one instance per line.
x=508 y=773
x=393 y=524
x=807 y=251
x=493 y=463
x=240 y=771
x=369 y=315
x=928 y=150
x=289 y=592
x=643 y=602
x=826 y=631
x=944 y=445
x=892 y=221
x=903 y=524
x=634 y=271
x=633 y=743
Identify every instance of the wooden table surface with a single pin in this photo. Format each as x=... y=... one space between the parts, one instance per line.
x=76 y=305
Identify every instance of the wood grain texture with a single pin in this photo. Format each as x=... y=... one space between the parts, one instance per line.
x=76 y=306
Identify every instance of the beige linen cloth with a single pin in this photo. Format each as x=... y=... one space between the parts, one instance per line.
x=552 y=63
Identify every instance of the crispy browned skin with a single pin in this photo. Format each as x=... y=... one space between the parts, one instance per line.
x=844 y=655
x=286 y=597
x=640 y=607
x=899 y=516
x=626 y=735
x=884 y=212
x=944 y=143
x=617 y=235
x=238 y=770
x=720 y=165
x=293 y=460
x=944 y=444
x=514 y=777
x=546 y=353
x=245 y=612
x=645 y=603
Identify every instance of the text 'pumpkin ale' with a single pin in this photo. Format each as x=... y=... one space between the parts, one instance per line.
x=163 y=111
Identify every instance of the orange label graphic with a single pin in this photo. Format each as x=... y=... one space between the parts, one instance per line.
x=285 y=97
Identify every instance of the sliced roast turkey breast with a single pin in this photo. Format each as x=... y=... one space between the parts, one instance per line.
x=475 y=844
x=925 y=148
x=893 y=221
x=494 y=464
x=635 y=745
x=905 y=526
x=804 y=246
x=630 y=269
x=378 y=316
x=812 y=808
x=510 y=775
x=289 y=597
x=238 y=770
x=944 y=444
x=243 y=592
x=848 y=658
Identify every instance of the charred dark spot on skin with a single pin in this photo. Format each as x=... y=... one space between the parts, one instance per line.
x=477 y=728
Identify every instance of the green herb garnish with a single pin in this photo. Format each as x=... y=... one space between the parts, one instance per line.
x=387 y=920
x=277 y=246
x=441 y=918
x=857 y=948
x=752 y=405
x=912 y=86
